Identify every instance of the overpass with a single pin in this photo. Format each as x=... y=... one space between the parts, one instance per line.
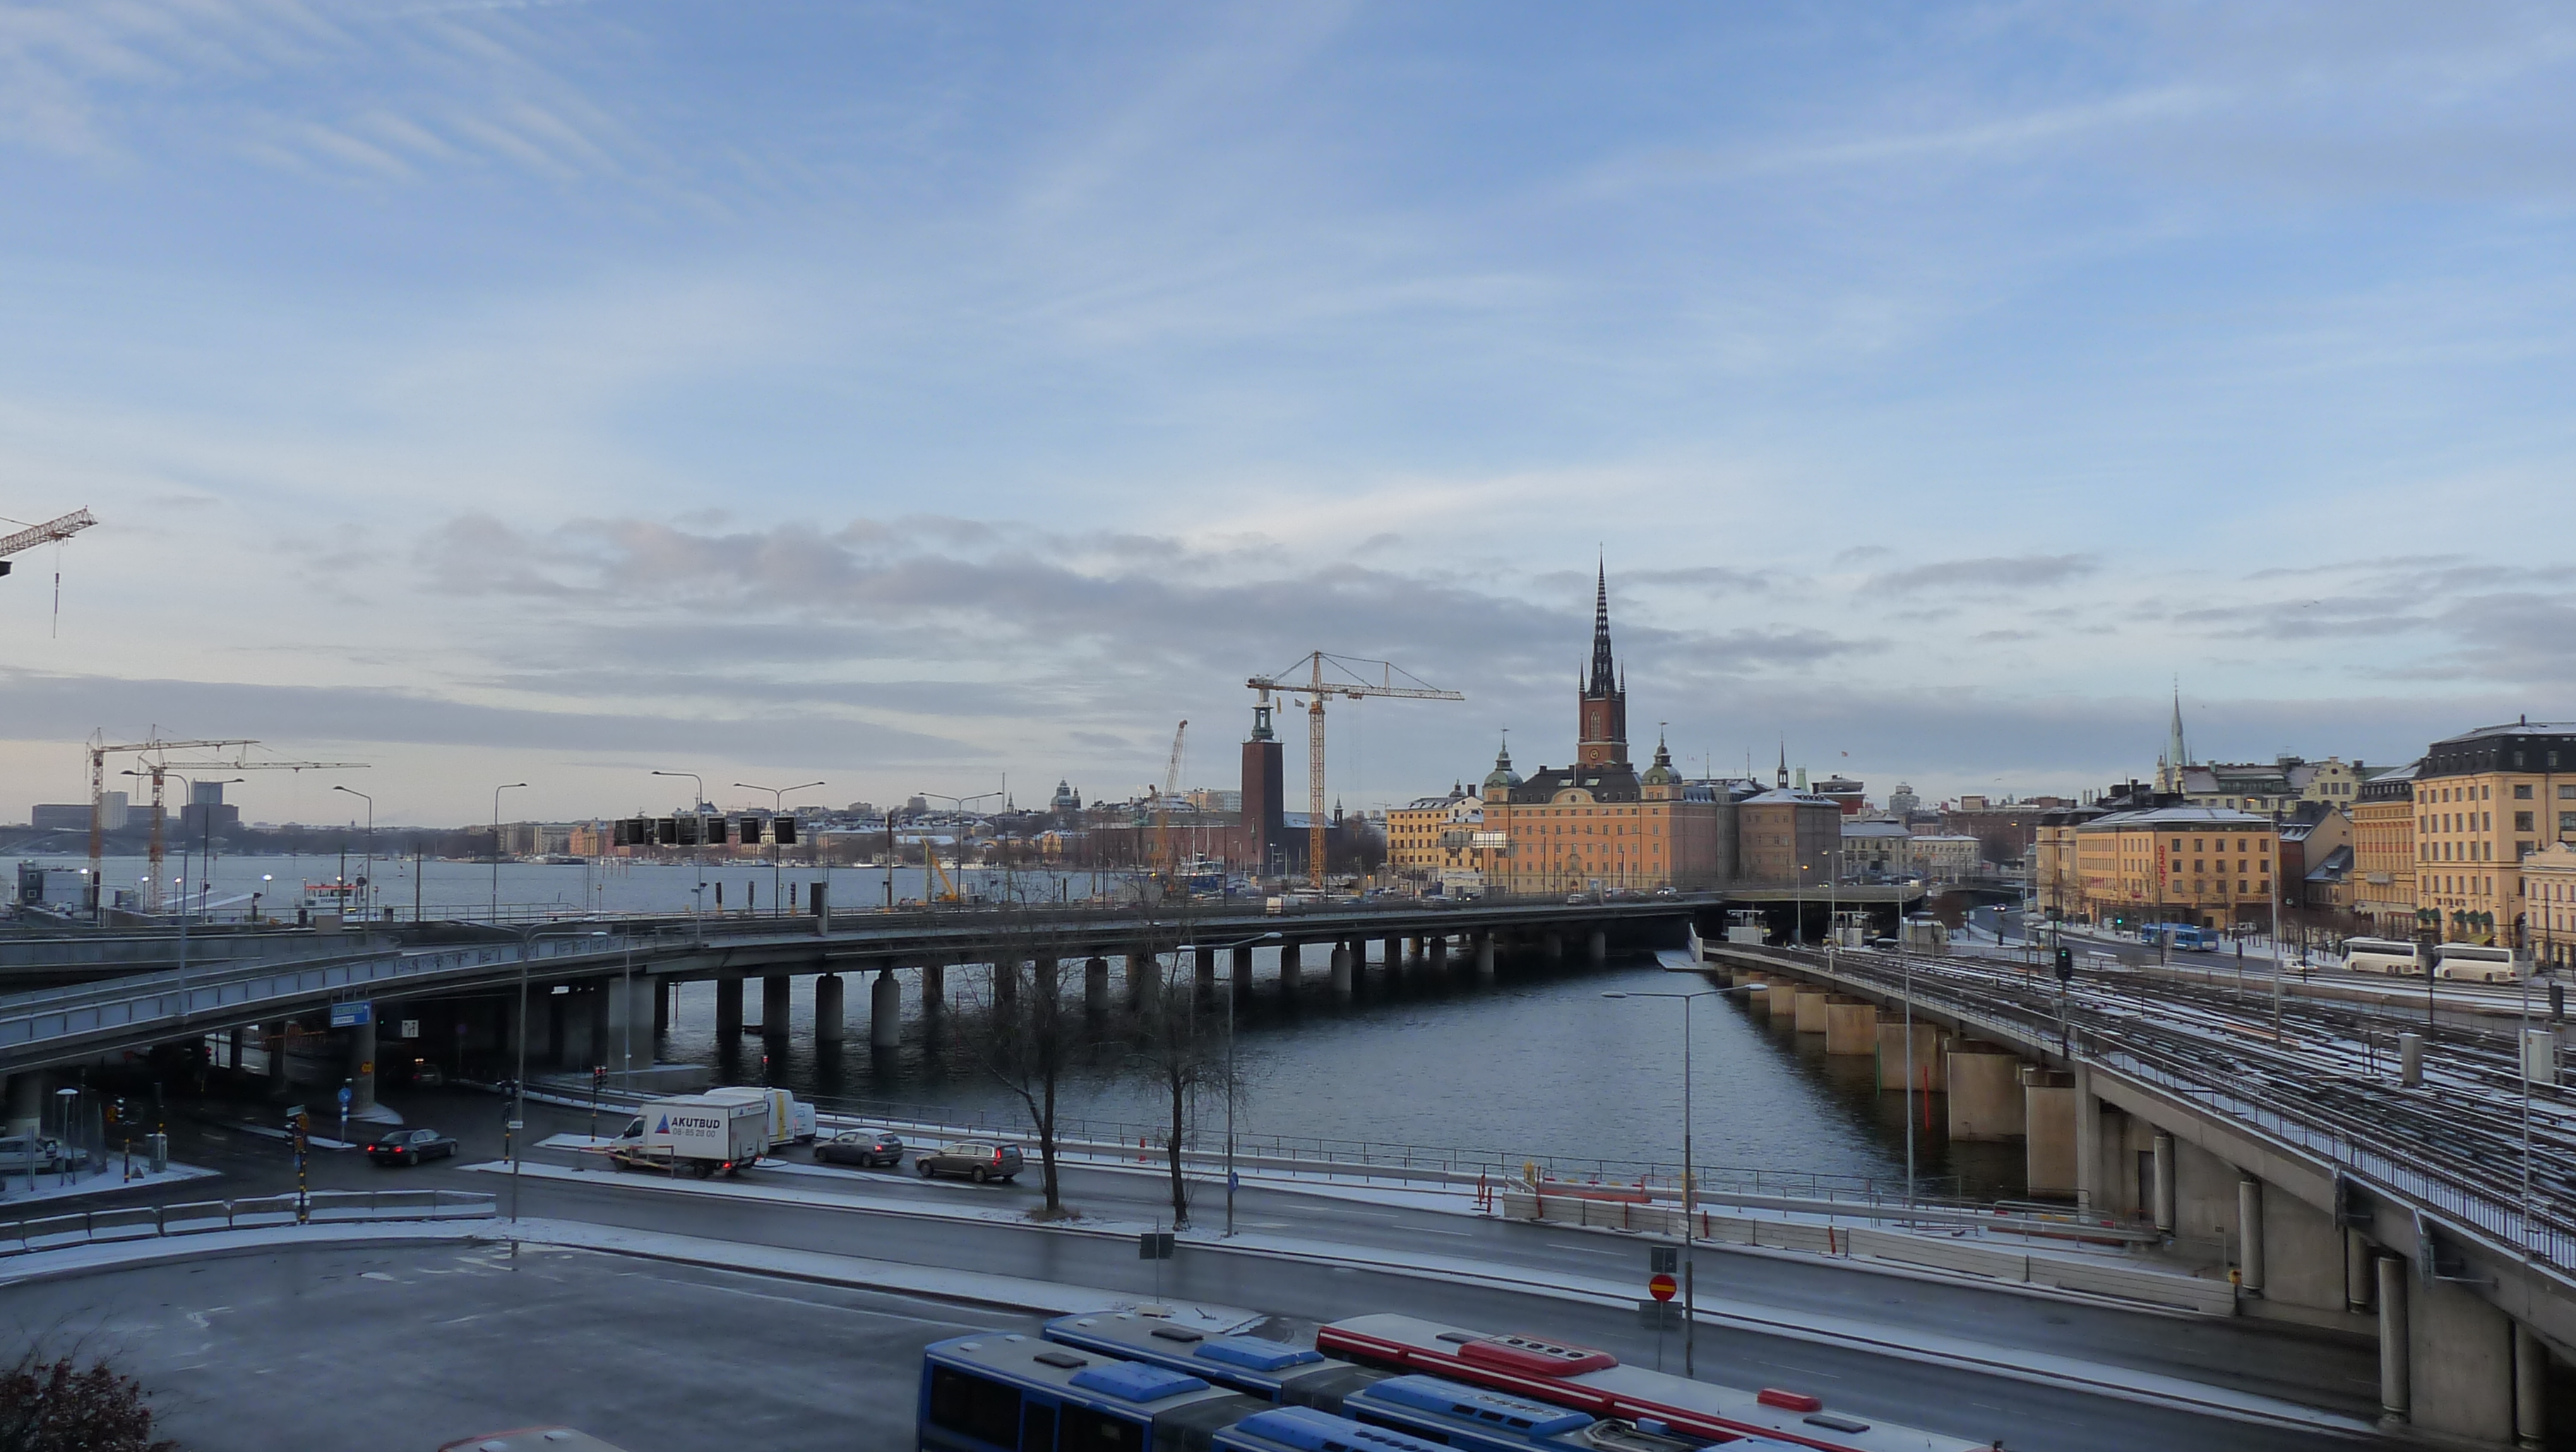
x=2356 y=1167
x=604 y=980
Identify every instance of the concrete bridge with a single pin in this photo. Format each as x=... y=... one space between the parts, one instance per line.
x=599 y=992
x=2353 y=1167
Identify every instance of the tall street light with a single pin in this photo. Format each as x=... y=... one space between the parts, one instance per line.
x=959 y=804
x=1230 y=1085
x=371 y=844
x=777 y=796
x=700 y=857
x=1690 y=1178
x=693 y=776
x=496 y=844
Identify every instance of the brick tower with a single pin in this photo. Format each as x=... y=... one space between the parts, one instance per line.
x=1603 y=738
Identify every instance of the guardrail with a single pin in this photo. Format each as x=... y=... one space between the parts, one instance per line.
x=149 y=1222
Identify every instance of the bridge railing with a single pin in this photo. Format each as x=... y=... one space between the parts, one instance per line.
x=2541 y=1229
x=147 y=1222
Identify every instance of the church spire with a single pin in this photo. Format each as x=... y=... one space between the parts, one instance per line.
x=1604 y=675
x=2175 y=752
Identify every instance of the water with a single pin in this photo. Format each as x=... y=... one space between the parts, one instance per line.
x=1536 y=1065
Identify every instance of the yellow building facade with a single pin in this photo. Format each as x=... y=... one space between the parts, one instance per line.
x=2485 y=801
x=2207 y=865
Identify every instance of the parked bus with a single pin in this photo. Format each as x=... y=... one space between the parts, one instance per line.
x=2185 y=937
x=1011 y=1393
x=2380 y=955
x=2475 y=963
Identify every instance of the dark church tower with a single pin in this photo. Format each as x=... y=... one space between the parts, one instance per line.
x=1603 y=739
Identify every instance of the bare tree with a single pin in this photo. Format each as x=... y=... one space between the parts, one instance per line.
x=1022 y=1035
x=51 y=1403
x=1178 y=1046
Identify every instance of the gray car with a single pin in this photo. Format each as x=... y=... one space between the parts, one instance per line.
x=971 y=1159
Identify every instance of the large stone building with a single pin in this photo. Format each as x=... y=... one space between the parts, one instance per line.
x=1433 y=840
x=2484 y=801
x=2383 y=853
x=1600 y=824
x=2213 y=866
x=1788 y=838
x=2549 y=897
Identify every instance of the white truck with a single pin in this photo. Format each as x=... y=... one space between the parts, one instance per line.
x=791 y=1120
x=697 y=1133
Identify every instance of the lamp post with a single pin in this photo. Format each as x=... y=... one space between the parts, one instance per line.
x=1269 y=937
x=1690 y=1178
x=371 y=844
x=777 y=795
x=496 y=857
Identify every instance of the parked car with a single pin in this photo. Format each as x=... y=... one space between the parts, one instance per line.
x=42 y=1154
x=1668 y=892
x=972 y=1159
x=410 y=1147
x=861 y=1147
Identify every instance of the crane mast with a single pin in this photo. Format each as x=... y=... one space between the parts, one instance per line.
x=1350 y=679
x=158 y=768
x=1164 y=856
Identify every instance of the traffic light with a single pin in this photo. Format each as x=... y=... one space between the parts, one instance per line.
x=782 y=830
x=2065 y=963
x=598 y=1075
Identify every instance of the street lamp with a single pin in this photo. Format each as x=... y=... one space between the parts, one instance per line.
x=777 y=795
x=959 y=803
x=1690 y=1179
x=1230 y=1085
x=371 y=844
x=496 y=853
x=693 y=776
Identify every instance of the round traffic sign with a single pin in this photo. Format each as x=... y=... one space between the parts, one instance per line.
x=1661 y=1286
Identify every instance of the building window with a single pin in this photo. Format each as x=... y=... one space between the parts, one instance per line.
x=2522 y=820
x=2522 y=791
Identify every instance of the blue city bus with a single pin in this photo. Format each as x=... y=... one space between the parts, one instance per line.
x=1292 y=1376
x=1304 y=1429
x=2189 y=937
x=1480 y=1419
x=1010 y=1393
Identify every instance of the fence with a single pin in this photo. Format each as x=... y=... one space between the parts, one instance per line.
x=148 y=1222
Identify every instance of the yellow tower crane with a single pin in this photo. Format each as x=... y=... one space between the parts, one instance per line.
x=1349 y=678
x=1166 y=864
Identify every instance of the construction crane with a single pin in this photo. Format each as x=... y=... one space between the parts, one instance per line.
x=52 y=531
x=157 y=768
x=1165 y=862
x=1350 y=679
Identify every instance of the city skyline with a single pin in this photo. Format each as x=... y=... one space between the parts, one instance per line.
x=903 y=398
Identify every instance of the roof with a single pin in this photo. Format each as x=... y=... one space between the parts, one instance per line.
x=2184 y=818
x=1606 y=783
x=1782 y=796
x=1875 y=829
x=2336 y=867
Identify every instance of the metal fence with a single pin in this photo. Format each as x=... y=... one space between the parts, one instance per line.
x=148 y=1222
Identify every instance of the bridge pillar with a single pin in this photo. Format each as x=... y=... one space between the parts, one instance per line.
x=2395 y=1378
x=662 y=988
x=1438 y=943
x=1238 y=971
x=1809 y=1009
x=2460 y=1363
x=1144 y=975
x=1341 y=962
x=934 y=987
x=558 y=1033
x=2048 y=1125
x=831 y=1011
x=281 y=1037
x=598 y=1001
x=885 y=1011
x=1203 y=959
x=819 y=902
x=728 y=1010
x=2530 y=1388
x=625 y=1041
x=1985 y=1093
x=27 y=1102
x=1596 y=948
x=1095 y=986
x=774 y=1009
x=1006 y=982
x=2359 y=1278
x=1288 y=965
x=1554 y=943
x=1851 y=1028
x=1485 y=955
x=1394 y=952
x=236 y=1041
x=1930 y=1075
x=2088 y=1141
x=2249 y=1235
x=2163 y=1197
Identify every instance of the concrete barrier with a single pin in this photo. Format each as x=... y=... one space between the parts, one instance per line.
x=1851 y=1028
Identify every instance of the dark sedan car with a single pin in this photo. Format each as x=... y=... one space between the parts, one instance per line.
x=862 y=1148
x=409 y=1147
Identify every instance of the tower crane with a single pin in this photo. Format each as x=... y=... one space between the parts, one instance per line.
x=1349 y=678
x=1164 y=852
x=157 y=767
x=52 y=531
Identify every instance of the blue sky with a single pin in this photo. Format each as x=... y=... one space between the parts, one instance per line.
x=906 y=395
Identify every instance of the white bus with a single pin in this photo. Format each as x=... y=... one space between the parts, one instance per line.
x=2380 y=955
x=2471 y=963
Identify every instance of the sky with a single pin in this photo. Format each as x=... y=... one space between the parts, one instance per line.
x=924 y=398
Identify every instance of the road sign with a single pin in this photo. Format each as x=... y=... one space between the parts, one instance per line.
x=1663 y=1258
x=411 y=1028
x=350 y=1015
x=1154 y=1245
x=344 y=1096
x=1662 y=1287
x=1659 y=1315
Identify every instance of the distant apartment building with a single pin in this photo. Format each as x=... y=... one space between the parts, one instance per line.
x=1787 y=838
x=1877 y=850
x=2485 y=802
x=2213 y=866
x=1946 y=856
x=1432 y=839
x=2383 y=853
x=2549 y=897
